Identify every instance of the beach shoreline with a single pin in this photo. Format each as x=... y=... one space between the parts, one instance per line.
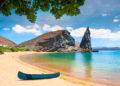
x=69 y=78
x=18 y=65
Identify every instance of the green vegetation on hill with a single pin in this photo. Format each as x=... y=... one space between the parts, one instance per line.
x=13 y=49
x=1 y=52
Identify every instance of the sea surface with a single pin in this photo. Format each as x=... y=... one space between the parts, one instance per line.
x=101 y=67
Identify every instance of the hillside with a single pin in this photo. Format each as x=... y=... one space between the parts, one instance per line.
x=5 y=42
x=50 y=42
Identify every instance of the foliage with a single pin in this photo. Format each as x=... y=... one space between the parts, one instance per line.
x=13 y=49
x=1 y=52
x=30 y=7
x=19 y=49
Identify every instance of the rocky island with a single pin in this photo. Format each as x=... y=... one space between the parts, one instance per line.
x=85 y=44
x=58 y=41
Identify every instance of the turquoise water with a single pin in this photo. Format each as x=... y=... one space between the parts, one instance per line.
x=103 y=66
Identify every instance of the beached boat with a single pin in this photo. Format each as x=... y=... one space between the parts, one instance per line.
x=24 y=76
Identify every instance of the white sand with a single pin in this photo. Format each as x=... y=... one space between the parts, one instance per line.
x=9 y=67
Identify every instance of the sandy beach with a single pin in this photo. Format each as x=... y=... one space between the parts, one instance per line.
x=10 y=65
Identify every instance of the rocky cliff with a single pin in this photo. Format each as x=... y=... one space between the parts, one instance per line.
x=6 y=43
x=50 y=42
x=85 y=44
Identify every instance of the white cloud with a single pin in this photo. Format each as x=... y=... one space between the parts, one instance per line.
x=48 y=28
x=104 y=14
x=56 y=27
x=53 y=28
x=78 y=32
x=97 y=33
x=116 y=20
x=33 y=26
x=6 y=29
x=37 y=30
x=20 y=29
x=69 y=28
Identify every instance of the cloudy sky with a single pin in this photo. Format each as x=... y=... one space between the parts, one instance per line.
x=102 y=16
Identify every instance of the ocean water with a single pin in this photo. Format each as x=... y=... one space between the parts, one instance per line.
x=102 y=67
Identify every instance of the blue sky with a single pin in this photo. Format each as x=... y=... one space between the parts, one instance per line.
x=102 y=16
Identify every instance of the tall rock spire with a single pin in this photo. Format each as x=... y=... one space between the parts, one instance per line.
x=85 y=44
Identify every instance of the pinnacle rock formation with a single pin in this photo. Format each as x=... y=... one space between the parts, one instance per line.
x=85 y=44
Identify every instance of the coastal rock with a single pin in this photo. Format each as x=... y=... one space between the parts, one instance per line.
x=51 y=42
x=85 y=44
